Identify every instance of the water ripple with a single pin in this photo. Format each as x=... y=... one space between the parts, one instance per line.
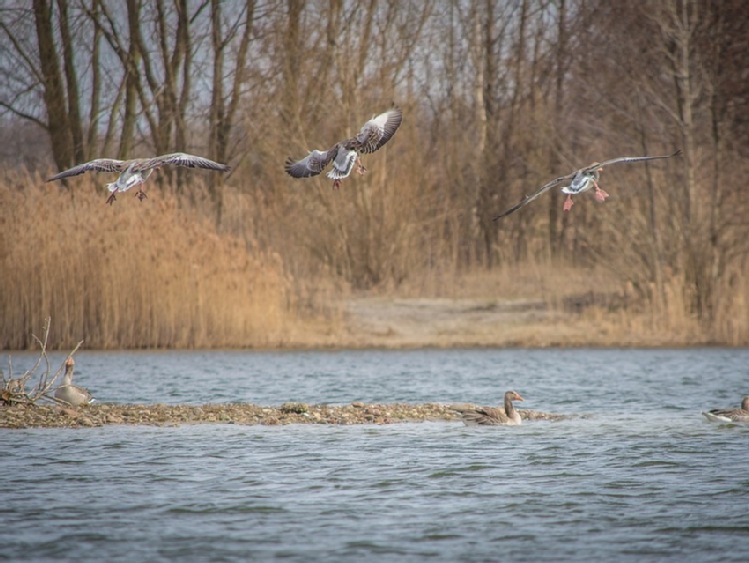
x=638 y=480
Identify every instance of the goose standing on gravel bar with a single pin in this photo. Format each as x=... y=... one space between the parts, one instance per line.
x=345 y=154
x=730 y=415
x=490 y=415
x=135 y=172
x=582 y=180
x=70 y=393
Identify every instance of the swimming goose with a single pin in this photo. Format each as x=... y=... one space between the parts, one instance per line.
x=345 y=154
x=581 y=181
x=730 y=415
x=70 y=393
x=136 y=171
x=489 y=415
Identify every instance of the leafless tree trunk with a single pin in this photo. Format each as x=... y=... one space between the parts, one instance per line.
x=679 y=21
x=223 y=111
x=71 y=78
x=58 y=124
x=92 y=139
x=291 y=67
x=560 y=137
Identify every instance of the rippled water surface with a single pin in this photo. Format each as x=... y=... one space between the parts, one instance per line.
x=642 y=478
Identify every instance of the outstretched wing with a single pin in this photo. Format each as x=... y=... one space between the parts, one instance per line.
x=311 y=165
x=595 y=166
x=98 y=165
x=529 y=198
x=630 y=159
x=181 y=159
x=377 y=131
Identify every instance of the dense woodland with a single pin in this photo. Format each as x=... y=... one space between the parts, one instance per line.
x=498 y=96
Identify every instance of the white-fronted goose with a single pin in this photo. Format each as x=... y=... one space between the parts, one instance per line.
x=581 y=181
x=344 y=154
x=472 y=415
x=72 y=394
x=730 y=415
x=136 y=171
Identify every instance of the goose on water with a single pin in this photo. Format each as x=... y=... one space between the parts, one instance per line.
x=581 y=181
x=472 y=415
x=69 y=393
x=136 y=171
x=345 y=154
x=730 y=415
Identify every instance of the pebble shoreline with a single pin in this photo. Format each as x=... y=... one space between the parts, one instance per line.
x=55 y=416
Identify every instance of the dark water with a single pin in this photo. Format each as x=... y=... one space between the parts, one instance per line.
x=643 y=478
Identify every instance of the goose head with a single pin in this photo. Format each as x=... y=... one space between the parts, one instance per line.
x=513 y=396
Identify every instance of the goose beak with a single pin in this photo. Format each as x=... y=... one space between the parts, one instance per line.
x=518 y=397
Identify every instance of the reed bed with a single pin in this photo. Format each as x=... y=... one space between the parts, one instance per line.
x=133 y=275
x=157 y=274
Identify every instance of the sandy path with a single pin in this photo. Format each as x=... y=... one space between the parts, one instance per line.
x=402 y=322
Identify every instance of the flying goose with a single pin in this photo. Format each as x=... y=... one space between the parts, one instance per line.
x=472 y=415
x=345 y=154
x=136 y=171
x=70 y=393
x=730 y=415
x=581 y=181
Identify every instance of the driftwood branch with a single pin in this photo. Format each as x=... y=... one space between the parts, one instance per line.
x=17 y=390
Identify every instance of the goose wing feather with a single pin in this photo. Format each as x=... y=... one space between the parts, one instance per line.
x=630 y=159
x=311 y=165
x=98 y=165
x=377 y=131
x=181 y=159
x=538 y=193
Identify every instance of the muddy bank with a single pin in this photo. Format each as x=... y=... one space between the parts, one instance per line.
x=53 y=416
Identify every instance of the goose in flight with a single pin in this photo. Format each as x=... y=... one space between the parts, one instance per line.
x=730 y=415
x=472 y=415
x=345 y=154
x=69 y=393
x=581 y=181
x=136 y=171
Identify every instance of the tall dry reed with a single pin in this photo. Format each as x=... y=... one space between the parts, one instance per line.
x=133 y=275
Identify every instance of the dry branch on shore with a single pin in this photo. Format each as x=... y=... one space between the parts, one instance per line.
x=15 y=390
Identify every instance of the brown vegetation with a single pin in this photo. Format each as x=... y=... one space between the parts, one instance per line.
x=498 y=98
x=133 y=275
x=35 y=384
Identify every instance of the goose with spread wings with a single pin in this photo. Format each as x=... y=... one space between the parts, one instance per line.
x=581 y=181
x=346 y=154
x=136 y=171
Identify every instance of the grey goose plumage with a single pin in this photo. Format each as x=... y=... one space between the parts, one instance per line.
x=69 y=393
x=730 y=415
x=472 y=415
x=581 y=181
x=136 y=171
x=346 y=154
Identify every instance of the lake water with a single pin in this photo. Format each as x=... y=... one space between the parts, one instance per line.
x=642 y=478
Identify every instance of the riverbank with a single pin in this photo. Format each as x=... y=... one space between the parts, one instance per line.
x=527 y=322
x=55 y=416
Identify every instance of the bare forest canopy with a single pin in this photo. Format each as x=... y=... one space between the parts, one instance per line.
x=498 y=97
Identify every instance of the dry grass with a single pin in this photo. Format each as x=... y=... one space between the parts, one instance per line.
x=133 y=275
x=157 y=275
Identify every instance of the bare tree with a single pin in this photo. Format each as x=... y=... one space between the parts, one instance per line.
x=223 y=109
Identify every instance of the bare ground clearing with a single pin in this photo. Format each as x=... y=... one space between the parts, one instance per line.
x=445 y=322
